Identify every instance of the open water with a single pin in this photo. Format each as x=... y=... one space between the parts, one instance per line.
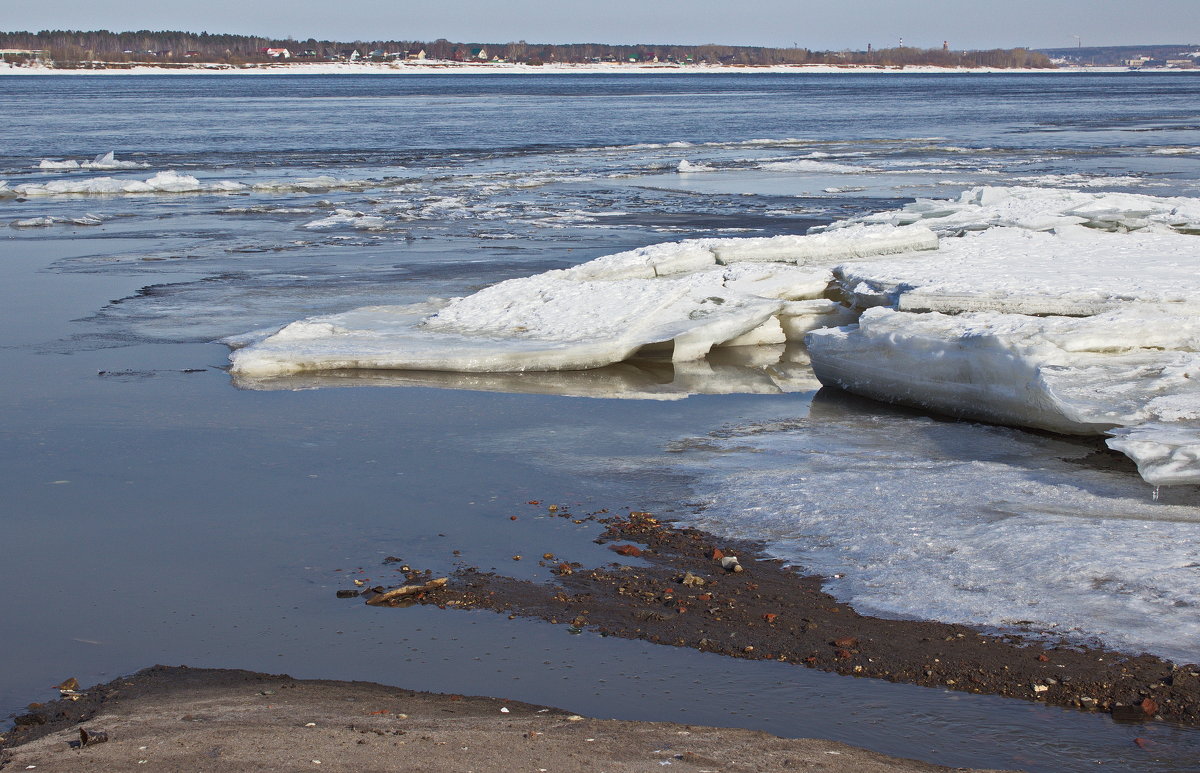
x=155 y=511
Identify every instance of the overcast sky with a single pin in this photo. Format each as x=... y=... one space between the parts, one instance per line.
x=819 y=24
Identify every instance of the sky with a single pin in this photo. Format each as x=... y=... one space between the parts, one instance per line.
x=815 y=24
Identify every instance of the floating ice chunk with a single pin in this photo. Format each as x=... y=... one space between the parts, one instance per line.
x=163 y=182
x=674 y=295
x=544 y=322
x=109 y=161
x=34 y=222
x=170 y=181
x=686 y=167
x=1165 y=454
x=322 y=182
x=47 y=163
x=1136 y=366
x=43 y=222
x=103 y=161
x=351 y=218
x=807 y=165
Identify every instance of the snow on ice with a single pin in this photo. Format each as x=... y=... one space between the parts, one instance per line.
x=1056 y=309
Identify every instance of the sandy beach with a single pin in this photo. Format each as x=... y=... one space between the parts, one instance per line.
x=183 y=719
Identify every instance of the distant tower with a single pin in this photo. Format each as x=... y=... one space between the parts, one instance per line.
x=868 y=48
x=945 y=45
x=902 y=42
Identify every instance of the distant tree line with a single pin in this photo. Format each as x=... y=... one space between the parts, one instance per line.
x=74 y=48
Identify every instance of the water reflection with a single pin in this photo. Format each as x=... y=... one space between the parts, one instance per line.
x=760 y=370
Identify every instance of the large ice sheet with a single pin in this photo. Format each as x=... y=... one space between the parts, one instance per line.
x=1073 y=270
x=1135 y=367
x=1126 y=266
x=688 y=296
x=960 y=522
x=537 y=323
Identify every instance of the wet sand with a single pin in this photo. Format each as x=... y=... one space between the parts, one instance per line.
x=677 y=586
x=182 y=719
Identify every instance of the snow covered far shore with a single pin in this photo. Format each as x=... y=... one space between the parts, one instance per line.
x=430 y=67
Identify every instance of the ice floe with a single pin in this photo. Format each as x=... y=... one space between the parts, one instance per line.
x=808 y=165
x=1069 y=311
x=349 y=218
x=687 y=297
x=959 y=522
x=48 y=220
x=170 y=181
x=103 y=161
x=1072 y=312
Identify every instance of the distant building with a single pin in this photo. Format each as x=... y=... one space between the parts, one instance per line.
x=1181 y=64
x=276 y=53
x=479 y=53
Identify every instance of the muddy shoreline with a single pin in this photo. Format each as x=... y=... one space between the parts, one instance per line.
x=667 y=585
x=199 y=719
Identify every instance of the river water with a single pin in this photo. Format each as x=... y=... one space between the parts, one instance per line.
x=156 y=511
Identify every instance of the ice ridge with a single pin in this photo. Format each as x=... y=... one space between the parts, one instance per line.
x=1060 y=310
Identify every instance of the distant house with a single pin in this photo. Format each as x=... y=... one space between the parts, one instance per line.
x=276 y=53
x=190 y=54
x=417 y=55
x=1182 y=64
x=479 y=53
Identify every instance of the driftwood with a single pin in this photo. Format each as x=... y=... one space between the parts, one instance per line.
x=389 y=596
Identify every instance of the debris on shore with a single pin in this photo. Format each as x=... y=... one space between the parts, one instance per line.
x=691 y=589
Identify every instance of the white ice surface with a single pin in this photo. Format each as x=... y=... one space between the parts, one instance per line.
x=1072 y=270
x=1079 y=375
x=1127 y=361
x=961 y=522
x=348 y=218
x=169 y=181
x=103 y=161
x=48 y=220
x=1042 y=209
x=681 y=295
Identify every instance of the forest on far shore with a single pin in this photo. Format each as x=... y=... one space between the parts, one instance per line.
x=74 y=48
